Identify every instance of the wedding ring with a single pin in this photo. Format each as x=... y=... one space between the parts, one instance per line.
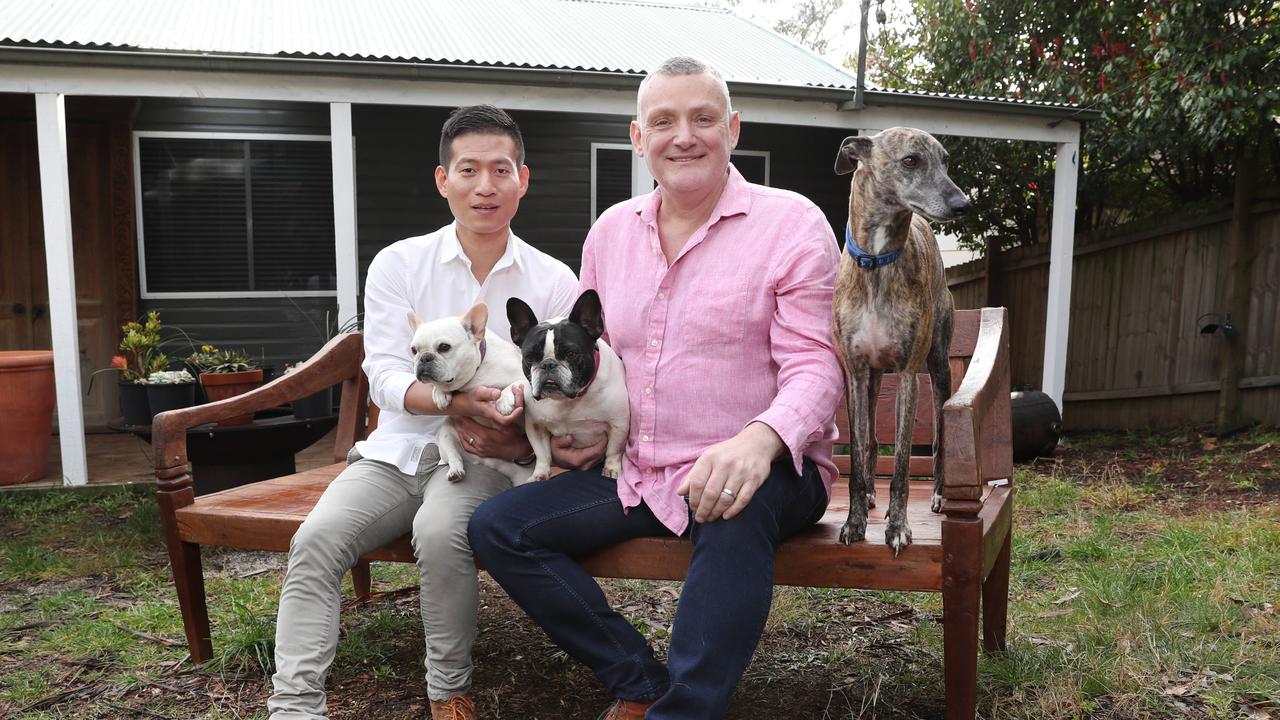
x=728 y=492
x=471 y=440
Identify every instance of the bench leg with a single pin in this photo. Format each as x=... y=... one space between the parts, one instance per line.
x=360 y=579
x=995 y=600
x=188 y=577
x=961 y=595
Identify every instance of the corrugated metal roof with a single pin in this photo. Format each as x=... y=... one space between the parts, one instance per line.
x=598 y=35
x=626 y=37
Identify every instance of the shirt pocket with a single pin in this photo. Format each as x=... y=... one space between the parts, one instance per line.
x=717 y=318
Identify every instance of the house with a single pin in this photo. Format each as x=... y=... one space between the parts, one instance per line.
x=237 y=165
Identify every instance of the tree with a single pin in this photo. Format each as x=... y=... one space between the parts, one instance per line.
x=1187 y=92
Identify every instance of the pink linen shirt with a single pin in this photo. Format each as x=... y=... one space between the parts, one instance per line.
x=736 y=330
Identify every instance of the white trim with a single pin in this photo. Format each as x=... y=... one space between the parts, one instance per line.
x=346 y=248
x=60 y=266
x=146 y=294
x=642 y=181
x=1062 y=240
x=757 y=153
x=158 y=82
x=606 y=146
x=227 y=135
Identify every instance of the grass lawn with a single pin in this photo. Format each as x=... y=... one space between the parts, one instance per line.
x=1145 y=584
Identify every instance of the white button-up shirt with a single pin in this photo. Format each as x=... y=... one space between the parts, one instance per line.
x=431 y=275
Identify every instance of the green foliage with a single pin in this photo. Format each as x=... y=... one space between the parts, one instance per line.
x=1186 y=89
x=140 y=346
x=210 y=359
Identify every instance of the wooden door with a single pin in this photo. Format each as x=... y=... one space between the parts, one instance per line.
x=102 y=237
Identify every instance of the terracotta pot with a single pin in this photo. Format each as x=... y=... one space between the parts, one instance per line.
x=134 y=405
x=26 y=410
x=220 y=386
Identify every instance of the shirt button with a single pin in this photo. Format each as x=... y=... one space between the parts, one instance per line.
x=653 y=342
x=648 y=391
x=662 y=296
x=644 y=438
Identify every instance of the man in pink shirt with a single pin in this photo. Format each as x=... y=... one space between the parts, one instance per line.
x=717 y=296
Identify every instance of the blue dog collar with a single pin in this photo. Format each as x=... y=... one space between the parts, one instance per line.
x=864 y=259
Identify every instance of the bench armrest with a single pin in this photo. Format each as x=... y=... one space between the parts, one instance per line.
x=338 y=361
x=976 y=420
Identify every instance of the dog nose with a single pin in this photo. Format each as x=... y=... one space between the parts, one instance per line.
x=428 y=357
x=960 y=205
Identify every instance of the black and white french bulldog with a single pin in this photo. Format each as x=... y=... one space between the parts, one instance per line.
x=452 y=355
x=574 y=382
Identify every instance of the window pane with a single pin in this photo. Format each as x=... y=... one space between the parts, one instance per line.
x=292 y=215
x=613 y=178
x=751 y=167
x=193 y=214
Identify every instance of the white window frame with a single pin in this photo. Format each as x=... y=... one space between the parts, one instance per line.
x=757 y=153
x=137 y=196
x=594 y=158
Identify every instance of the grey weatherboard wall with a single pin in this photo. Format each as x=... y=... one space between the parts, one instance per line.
x=396 y=155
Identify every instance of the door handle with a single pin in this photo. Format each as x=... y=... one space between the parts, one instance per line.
x=37 y=312
x=19 y=308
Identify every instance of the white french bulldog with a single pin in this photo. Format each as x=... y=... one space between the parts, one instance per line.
x=574 y=382
x=453 y=355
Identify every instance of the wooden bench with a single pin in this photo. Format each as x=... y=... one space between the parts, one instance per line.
x=962 y=553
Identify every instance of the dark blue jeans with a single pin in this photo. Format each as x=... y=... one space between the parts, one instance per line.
x=528 y=536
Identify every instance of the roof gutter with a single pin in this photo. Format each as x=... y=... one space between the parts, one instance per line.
x=411 y=70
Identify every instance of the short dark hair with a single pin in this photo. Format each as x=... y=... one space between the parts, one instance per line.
x=484 y=119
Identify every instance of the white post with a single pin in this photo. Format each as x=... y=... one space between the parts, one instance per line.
x=346 y=251
x=1062 y=244
x=55 y=197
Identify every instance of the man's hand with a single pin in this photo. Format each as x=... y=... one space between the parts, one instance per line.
x=739 y=465
x=564 y=455
x=506 y=441
x=482 y=402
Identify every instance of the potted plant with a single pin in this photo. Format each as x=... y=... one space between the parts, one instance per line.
x=226 y=373
x=316 y=405
x=139 y=357
x=170 y=390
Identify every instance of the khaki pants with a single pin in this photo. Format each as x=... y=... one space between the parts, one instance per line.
x=368 y=505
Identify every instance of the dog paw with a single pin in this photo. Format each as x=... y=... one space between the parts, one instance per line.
x=612 y=468
x=936 y=505
x=853 y=531
x=456 y=472
x=506 y=403
x=541 y=472
x=441 y=398
x=897 y=536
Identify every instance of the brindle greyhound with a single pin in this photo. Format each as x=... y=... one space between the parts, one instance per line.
x=892 y=308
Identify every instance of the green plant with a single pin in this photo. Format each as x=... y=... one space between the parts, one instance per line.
x=169 y=377
x=210 y=359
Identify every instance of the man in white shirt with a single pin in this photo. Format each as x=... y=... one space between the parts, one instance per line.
x=395 y=482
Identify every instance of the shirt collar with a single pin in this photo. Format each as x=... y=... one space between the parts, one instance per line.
x=735 y=200
x=451 y=250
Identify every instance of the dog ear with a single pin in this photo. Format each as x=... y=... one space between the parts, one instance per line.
x=854 y=148
x=414 y=321
x=588 y=313
x=475 y=319
x=522 y=320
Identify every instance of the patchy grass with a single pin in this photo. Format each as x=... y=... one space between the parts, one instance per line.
x=1144 y=582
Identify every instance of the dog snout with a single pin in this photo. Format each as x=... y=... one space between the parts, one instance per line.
x=959 y=205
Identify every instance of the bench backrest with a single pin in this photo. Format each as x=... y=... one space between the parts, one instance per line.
x=964 y=338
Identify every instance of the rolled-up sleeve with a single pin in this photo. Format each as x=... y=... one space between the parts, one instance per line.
x=810 y=379
x=387 y=361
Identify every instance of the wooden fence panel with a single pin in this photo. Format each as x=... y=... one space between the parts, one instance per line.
x=1135 y=356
